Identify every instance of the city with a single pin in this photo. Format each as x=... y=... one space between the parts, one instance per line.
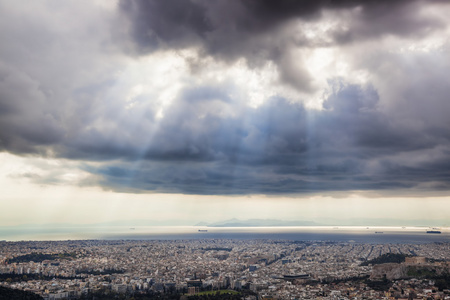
x=266 y=269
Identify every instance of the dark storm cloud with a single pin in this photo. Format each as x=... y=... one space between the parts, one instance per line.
x=254 y=30
x=210 y=143
x=279 y=147
x=174 y=22
x=231 y=29
x=60 y=96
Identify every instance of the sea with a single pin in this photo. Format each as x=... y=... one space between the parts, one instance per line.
x=345 y=234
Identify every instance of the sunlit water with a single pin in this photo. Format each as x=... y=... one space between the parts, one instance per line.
x=302 y=233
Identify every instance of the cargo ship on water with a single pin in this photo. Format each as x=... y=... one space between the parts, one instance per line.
x=434 y=230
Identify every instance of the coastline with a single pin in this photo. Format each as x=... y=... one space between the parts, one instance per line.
x=391 y=234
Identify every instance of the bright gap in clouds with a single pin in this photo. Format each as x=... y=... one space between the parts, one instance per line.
x=157 y=79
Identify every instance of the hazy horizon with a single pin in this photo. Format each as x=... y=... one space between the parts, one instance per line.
x=234 y=222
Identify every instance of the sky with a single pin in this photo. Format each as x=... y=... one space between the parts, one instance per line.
x=181 y=111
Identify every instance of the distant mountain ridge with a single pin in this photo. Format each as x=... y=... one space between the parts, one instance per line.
x=256 y=223
x=323 y=222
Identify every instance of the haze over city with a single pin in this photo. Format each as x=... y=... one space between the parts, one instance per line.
x=180 y=112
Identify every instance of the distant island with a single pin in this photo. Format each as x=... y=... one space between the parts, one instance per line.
x=325 y=222
x=256 y=223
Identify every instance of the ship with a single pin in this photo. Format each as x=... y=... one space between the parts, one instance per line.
x=202 y=230
x=434 y=230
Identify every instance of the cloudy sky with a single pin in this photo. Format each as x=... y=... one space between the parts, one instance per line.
x=200 y=110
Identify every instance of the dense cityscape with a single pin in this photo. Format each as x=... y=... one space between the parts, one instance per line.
x=245 y=269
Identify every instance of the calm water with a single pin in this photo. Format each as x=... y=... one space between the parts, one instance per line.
x=307 y=233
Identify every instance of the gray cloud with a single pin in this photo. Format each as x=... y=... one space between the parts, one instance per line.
x=170 y=23
x=221 y=26
x=59 y=97
x=279 y=147
x=16 y=114
x=255 y=30
x=49 y=51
